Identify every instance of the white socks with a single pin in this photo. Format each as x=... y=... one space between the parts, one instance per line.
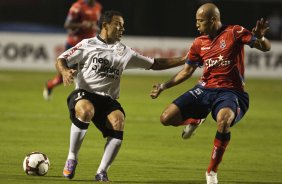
x=111 y=150
x=76 y=138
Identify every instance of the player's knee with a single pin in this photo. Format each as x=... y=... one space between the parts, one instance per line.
x=85 y=114
x=223 y=126
x=164 y=119
x=116 y=120
x=117 y=123
x=84 y=111
x=224 y=121
x=171 y=116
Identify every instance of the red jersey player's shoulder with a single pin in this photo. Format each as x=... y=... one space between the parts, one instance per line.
x=201 y=40
x=237 y=29
x=202 y=37
x=199 y=43
x=76 y=7
x=241 y=34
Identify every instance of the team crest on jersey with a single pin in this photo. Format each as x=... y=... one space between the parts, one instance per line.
x=222 y=44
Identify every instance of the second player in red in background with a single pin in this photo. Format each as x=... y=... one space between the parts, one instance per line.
x=81 y=23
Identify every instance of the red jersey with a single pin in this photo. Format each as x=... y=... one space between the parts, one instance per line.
x=222 y=57
x=79 y=12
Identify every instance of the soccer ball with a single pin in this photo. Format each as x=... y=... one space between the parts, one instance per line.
x=36 y=163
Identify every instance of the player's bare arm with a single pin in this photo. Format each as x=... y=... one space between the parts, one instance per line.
x=166 y=63
x=181 y=76
x=67 y=73
x=259 y=31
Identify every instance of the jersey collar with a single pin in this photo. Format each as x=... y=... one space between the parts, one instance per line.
x=223 y=27
x=99 y=38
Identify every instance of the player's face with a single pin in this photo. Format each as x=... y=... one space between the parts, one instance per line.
x=115 y=29
x=203 y=23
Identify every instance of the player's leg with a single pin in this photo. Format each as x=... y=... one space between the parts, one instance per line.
x=82 y=111
x=55 y=81
x=186 y=110
x=229 y=110
x=181 y=111
x=50 y=84
x=114 y=140
x=171 y=115
x=191 y=126
x=109 y=119
x=224 y=118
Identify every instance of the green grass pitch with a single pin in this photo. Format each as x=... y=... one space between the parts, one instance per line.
x=151 y=153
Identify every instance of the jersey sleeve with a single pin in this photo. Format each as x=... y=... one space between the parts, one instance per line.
x=73 y=55
x=194 y=58
x=137 y=60
x=243 y=35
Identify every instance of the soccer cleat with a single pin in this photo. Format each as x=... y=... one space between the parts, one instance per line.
x=69 y=169
x=189 y=130
x=47 y=93
x=101 y=177
x=211 y=177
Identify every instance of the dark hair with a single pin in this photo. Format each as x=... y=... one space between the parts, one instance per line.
x=107 y=17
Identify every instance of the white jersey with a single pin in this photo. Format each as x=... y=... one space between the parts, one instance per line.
x=100 y=65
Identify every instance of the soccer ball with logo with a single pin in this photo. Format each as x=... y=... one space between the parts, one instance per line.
x=36 y=163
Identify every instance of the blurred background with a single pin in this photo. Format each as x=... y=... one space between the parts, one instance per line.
x=157 y=28
x=143 y=17
x=32 y=35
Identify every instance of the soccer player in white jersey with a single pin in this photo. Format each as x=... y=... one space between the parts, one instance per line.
x=101 y=61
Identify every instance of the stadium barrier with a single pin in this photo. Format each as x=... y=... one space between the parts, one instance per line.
x=38 y=51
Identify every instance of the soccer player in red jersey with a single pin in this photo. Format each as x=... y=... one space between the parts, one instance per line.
x=81 y=23
x=220 y=50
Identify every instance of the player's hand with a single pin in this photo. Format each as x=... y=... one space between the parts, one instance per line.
x=261 y=28
x=68 y=76
x=156 y=91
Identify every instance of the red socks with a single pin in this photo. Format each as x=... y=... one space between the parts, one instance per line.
x=220 y=143
x=58 y=79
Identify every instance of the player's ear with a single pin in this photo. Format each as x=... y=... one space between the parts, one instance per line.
x=213 y=19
